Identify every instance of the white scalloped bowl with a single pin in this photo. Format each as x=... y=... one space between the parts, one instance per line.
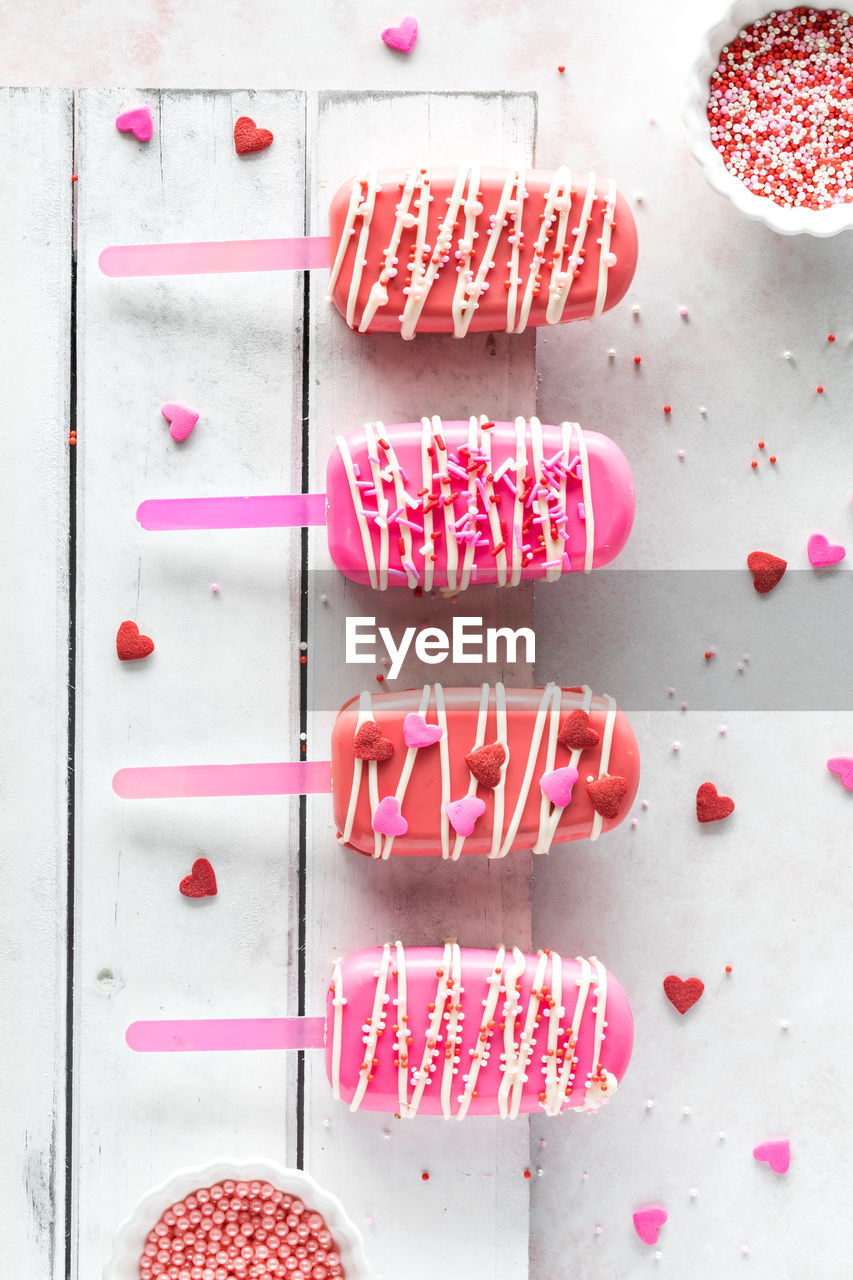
x=130 y=1238
x=787 y=222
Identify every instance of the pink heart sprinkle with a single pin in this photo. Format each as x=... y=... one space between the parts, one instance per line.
x=648 y=1221
x=557 y=785
x=387 y=819
x=417 y=733
x=843 y=766
x=464 y=813
x=822 y=552
x=136 y=121
x=777 y=1154
x=402 y=38
x=181 y=420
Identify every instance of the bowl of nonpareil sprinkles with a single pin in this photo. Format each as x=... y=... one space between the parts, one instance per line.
x=769 y=115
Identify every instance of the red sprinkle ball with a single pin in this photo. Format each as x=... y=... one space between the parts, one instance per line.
x=246 y=1229
x=781 y=107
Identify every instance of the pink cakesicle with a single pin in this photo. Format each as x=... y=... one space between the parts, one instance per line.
x=448 y=503
x=443 y=250
x=392 y=797
x=447 y=1031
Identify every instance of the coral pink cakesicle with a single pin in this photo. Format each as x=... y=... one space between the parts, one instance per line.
x=446 y=772
x=450 y=1031
x=523 y=807
x=448 y=503
x=443 y=250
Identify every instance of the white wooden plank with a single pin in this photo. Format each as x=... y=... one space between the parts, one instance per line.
x=220 y=684
x=375 y=1162
x=35 y=283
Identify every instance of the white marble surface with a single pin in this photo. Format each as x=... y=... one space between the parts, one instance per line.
x=766 y=892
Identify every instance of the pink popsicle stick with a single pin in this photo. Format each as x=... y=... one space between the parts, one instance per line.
x=211 y=257
x=184 y=781
x=201 y=1035
x=268 y=511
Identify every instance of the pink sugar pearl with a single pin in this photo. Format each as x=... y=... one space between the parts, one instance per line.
x=245 y=1230
x=780 y=107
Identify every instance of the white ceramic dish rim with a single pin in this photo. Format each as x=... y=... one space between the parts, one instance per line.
x=789 y=222
x=123 y=1263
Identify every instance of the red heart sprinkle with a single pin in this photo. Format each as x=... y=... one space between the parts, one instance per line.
x=485 y=763
x=710 y=805
x=201 y=882
x=576 y=732
x=248 y=137
x=369 y=744
x=766 y=570
x=130 y=645
x=607 y=794
x=683 y=992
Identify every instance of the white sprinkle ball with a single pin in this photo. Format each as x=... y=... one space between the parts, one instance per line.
x=685 y=1111
x=676 y=746
x=303 y=644
x=693 y=1193
x=784 y=1024
x=649 y=1103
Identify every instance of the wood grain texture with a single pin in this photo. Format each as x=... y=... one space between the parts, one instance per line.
x=220 y=685
x=375 y=1162
x=35 y=332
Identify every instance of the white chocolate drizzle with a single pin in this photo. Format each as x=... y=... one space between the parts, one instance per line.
x=550 y=815
x=495 y=262
x=503 y=1000
x=504 y=830
x=606 y=748
x=458 y=499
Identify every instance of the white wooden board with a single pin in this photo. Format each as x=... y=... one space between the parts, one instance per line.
x=375 y=1162
x=221 y=684
x=35 y=271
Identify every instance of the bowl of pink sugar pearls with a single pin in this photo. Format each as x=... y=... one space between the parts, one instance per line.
x=769 y=115
x=238 y=1218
